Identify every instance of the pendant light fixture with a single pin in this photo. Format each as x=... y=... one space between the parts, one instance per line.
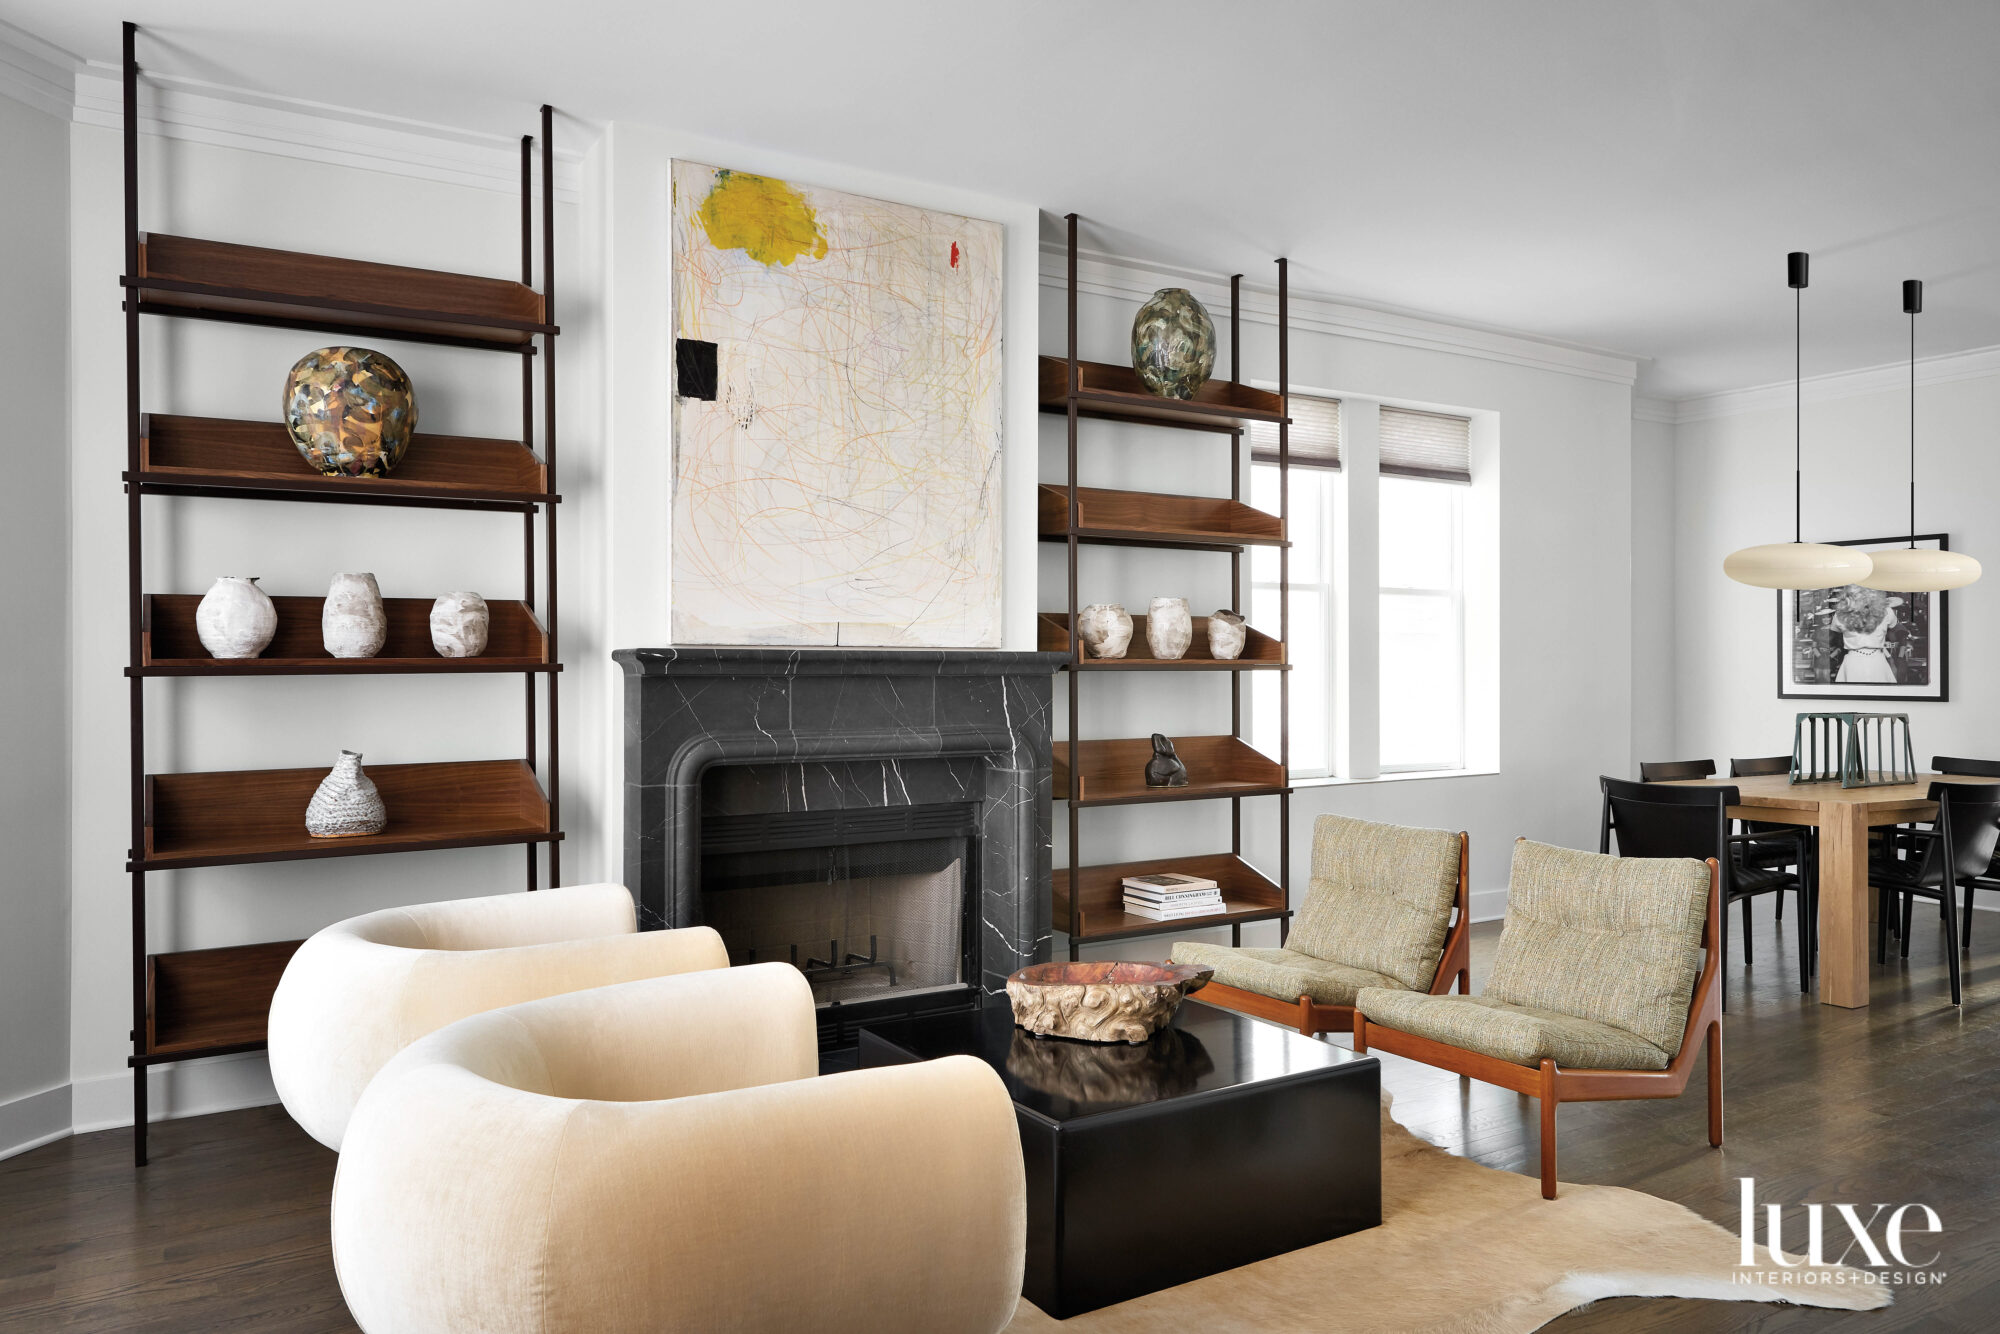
x=1797 y=563
x=1907 y=569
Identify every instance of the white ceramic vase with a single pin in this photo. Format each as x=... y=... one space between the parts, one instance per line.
x=1226 y=634
x=235 y=618
x=353 y=625
x=459 y=624
x=346 y=804
x=1106 y=629
x=1169 y=628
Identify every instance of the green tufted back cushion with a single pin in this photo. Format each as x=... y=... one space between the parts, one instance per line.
x=1614 y=939
x=1380 y=898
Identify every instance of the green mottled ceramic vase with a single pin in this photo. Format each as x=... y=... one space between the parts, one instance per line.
x=350 y=410
x=1173 y=343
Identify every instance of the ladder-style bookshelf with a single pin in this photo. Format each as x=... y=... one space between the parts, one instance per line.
x=215 y=1001
x=1089 y=900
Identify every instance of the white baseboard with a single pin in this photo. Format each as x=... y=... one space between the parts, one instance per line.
x=190 y=1088
x=1488 y=905
x=33 y=1119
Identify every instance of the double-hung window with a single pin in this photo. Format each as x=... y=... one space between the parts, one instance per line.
x=1421 y=584
x=1314 y=447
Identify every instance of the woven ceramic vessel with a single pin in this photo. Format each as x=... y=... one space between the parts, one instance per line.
x=1106 y=629
x=353 y=623
x=235 y=618
x=346 y=805
x=351 y=411
x=1226 y=635
x=1169 y=628
x=1173 y=343
x=459 y=625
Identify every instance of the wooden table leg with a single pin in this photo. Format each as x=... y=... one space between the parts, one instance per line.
x=1843 y=904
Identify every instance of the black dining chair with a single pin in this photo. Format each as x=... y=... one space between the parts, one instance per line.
x=1949 y=764
x=1656 y=820
x=1773 y=844
x=1673 y=771
x=1938 y=861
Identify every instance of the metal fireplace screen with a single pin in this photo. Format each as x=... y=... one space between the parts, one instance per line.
x=863 y=921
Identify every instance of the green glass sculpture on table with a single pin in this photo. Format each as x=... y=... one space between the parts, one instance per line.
x=1858 y=749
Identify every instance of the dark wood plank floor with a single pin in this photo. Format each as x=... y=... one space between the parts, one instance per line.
x=226 y=1231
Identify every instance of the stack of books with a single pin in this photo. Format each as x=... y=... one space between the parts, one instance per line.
x=1168 y=896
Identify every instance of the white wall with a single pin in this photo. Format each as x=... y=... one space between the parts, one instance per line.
x=34 y=608
x=1733 y=481
x=1653 y=626
x=1564 y=455
x=230 y=371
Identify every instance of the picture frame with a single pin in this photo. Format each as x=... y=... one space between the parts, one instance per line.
x=1838 y=643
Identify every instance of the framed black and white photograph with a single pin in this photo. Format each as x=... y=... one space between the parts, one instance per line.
x=1860 y=643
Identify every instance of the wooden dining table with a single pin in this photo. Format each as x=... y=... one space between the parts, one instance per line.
x=1843 y=816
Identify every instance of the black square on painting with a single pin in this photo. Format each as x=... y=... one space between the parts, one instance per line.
x=694 y=369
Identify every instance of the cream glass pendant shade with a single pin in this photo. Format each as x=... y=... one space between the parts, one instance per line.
x=1800 y=565
x=1913 y=569
x=1797 y=564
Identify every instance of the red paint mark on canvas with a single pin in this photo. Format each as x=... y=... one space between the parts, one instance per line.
x=954 y=254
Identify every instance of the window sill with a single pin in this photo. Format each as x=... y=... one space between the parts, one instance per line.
x=1416 y=774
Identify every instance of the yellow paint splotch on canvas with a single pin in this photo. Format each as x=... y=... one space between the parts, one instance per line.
x=766 y=219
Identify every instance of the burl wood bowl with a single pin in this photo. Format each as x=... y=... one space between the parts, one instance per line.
x=1101 y=1001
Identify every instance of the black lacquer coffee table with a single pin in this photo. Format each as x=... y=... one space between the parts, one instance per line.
x=1222 y=1141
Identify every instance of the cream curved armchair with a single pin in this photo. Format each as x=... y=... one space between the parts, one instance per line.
x=361 y=990
x=661 y=1156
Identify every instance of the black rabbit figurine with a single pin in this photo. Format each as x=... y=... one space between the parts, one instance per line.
x=1165 y=768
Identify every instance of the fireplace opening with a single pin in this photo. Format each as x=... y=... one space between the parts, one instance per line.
x=872 y=905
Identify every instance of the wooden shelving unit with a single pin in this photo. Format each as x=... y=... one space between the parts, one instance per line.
x=1088 y=901
x=208 y=1002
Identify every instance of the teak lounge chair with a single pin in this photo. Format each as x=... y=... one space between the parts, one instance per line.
x=1595 y=975
x=1378 y=913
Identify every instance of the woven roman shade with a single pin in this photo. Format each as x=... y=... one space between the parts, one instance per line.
x=1425 y=444
x=1315 y=434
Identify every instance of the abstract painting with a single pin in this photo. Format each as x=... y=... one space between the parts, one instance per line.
x=837 y=417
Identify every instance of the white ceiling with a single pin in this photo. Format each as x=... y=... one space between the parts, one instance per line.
x=1612 y=173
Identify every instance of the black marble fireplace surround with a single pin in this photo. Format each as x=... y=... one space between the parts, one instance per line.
x=716 y=732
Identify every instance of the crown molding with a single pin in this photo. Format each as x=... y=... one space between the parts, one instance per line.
x=54 y=81
x=1975 y=364
x=35 y=73
x=207 y=113
x=1662 y=410
x=1101 y=274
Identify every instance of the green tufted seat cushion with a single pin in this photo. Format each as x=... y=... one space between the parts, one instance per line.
x=1596 y=964
x=1281 y=974
x=1380 y=898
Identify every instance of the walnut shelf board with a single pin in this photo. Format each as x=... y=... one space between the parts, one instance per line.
x=206 y=1000
x=216 y=454
x=224 y=818
x=171 y=646
x=1116 y=392
x=1114 y=772
x=1248 y=896
x=180 y=275
x=1151 y=519
x=1260 y=651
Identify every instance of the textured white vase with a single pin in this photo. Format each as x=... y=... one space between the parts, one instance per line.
x=459 y=623
x=346 y=804
x=1226 y=634
x=1106 y=629
x=353 y=625
x=235 y=618
x=1169 y=628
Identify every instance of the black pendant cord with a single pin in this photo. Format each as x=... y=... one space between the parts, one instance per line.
x=1913 y=307
x=1797 y=276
